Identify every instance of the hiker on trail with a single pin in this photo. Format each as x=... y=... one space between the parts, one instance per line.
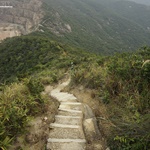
x=72 y=65
x=72 y=68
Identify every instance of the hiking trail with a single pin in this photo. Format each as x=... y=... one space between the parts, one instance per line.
x=71 y=122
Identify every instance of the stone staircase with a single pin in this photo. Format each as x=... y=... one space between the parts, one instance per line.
x=66 y=133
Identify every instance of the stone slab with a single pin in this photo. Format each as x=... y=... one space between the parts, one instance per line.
x=67 y=133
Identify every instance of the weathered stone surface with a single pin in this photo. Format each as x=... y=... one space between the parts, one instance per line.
x=66 y=146
x=67 y=132
x=91 y=129
x=88 y=112
x=90 y=124
x=68 y=106
x=68 y=120
x=22 y=18
x=60 y=125
x=66 y=140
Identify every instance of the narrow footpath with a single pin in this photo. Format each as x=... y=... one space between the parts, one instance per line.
x=67 y=132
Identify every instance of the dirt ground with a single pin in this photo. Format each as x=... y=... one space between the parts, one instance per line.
x=36 y=134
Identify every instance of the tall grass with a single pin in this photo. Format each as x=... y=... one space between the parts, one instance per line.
x=17 y=104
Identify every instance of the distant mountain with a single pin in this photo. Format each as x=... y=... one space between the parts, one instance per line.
x=145 y=2
x=138 y=13
x=103 y=26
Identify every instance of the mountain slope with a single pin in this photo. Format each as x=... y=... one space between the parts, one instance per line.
x=104 y=26
x=93 y=26
x=133 y=11
x=145 y=2
x=25 y=55
x=22 y=18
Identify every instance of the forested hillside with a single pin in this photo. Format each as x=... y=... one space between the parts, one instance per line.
x=28 y=63
x=22 y=56
x=135 y=12
x=97 y=25
x=121 y=82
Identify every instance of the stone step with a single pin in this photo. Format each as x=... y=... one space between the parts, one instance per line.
x=66 y=140
x=71 y=107
x=68 y=100
x=71 y=103
x=58 y=94
x=60 y=116
x=70 y=110
x=63 y=96
x=67 y=133
x=66 y=146
x=69 y=120
x=58 y=125
x=68 y=113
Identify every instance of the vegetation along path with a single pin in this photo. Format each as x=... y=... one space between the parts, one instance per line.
x=67 y=132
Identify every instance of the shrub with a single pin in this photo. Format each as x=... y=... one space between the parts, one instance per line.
x=35 y=86
x=17 y=104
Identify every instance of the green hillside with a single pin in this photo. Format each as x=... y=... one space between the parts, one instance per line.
x=121 y=82
x=136 y=12
x=28 y=63
x=96 y=25
x=22 y=56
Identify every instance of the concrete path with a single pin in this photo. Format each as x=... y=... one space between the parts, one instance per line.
x=66 y=133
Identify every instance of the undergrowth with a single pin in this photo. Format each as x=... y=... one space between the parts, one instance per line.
x=18 y=102
x=122 y=82
x=27 y=64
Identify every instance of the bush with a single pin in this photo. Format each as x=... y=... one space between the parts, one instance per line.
x=35 y=86
x=17 y=104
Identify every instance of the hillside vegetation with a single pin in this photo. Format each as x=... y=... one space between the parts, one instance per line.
x=28 y=63
x=122 y=83
x=132 y=11
x=102 y=26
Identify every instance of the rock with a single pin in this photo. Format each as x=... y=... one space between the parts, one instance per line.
x=88 y=112
x=90 y=124
x=23 y=18
x=45 y=119
x=98 y=146
x=31 y=138
x=91 y=129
